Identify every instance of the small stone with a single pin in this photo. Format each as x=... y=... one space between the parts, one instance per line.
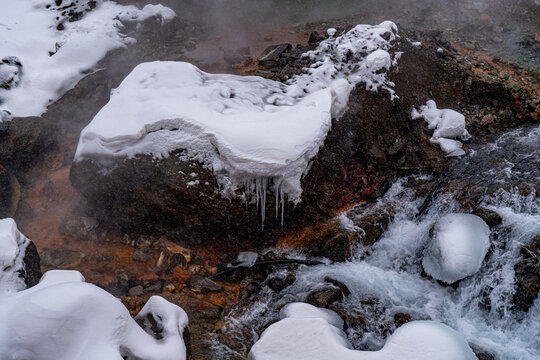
x=497 y=39
x=324 y=297
x=276 y=284
x=203 y=285
x=143 y=254
x=168 y=287
x=155 y=287
x=402 y=318
x=136 y=291
x=61 y=258
x=344 y=289
x=489 y=216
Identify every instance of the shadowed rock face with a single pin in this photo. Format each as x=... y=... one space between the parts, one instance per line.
x=366 y=149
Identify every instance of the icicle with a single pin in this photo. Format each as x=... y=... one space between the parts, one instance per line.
x=282 y=198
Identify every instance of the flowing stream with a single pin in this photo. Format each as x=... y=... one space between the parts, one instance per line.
x=387 y=278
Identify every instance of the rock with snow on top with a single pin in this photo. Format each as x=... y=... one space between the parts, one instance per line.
x=459 y=244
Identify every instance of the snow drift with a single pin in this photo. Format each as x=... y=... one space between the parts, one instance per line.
x=43 y=54
x=65 y=318
x=459 y=244
x=307 y=332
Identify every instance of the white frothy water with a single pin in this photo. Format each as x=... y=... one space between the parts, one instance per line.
x=387 y=278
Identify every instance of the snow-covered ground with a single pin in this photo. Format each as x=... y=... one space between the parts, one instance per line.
x=12 y=249
x=65 y=318
x=252 y=132
x=40 y=60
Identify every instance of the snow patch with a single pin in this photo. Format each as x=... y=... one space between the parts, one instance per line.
x=12 y=250
x=447 y=124
x=307 y=332
x=459 y=244
x=65 y=318
x=52 y=61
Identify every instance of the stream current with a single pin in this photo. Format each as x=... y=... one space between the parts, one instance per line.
x=387 y=278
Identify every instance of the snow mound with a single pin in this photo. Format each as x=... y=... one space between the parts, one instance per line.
x=252 y=132
x=307 y=332
x=12 y=249
x=458 y=247
x=447 y=124
x=65 y=318
x=51 y=60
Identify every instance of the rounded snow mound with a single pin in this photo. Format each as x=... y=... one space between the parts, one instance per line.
x=65 y=318
x=307 y=332
x=458 y=247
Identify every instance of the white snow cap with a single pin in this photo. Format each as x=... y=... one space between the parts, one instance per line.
x=458 y=247
x=12 y=249
x=309 y=333
x=250 y=131
x=52 y=61
x=64 y=318
x=447 y=124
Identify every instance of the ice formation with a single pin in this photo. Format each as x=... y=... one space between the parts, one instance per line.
x=458 y=247
x=307 y=332
x=39 y=63
x=253 y=133
x=447 y=124
x=12 y=249
x=65 y=318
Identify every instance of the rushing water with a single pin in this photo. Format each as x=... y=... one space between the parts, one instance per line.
x=387 y=277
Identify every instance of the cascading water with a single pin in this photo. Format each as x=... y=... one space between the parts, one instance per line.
x=387 y=278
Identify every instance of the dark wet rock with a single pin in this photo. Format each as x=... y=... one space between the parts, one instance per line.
x=10 y=193
x=32 y=265
x=136 y=291
x=373 y=226
x=402 y=318
x=200 y=284
x=527 y=276
x=143 y=255
x=274 y=55
x=344 y=289
x=325 y=297
x=168 y=260
x=25 y=141
x=290 y=279
x=276 y=283
x=481 y=353
x=315 y=38
x=61 y=258
x=489 y=216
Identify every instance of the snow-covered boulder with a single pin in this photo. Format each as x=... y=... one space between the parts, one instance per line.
x=65 y=318
x=46 y=47
x=307 y=332
x=447 y=125
x=19 y=261
x=458 y=246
